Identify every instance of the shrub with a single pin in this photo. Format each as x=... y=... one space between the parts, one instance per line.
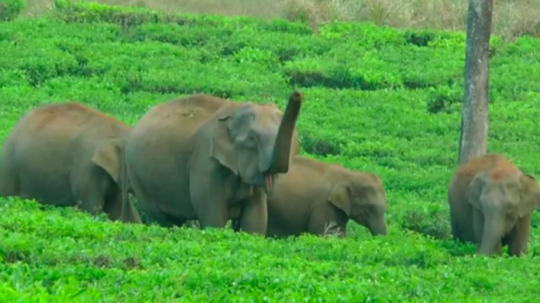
x=10 y=9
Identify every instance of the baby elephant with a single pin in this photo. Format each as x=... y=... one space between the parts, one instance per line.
x=68 y=154
x=491 y=202
x=314 y=193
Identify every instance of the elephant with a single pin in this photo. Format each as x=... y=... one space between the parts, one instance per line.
x=491 y=201
x=68 y=154
x=210 y=159
x=313 y=193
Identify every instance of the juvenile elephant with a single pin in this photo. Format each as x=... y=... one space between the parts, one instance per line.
x=209 y=159
x=67 y=154
x=314 y=193
x=491 y=201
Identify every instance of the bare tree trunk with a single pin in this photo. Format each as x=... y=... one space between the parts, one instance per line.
x=474 y=120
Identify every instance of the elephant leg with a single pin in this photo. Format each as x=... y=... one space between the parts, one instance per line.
x=454 y=228
x=148 y=206
x=498 y=249
x=254 y=218
x=113 y=206
x=93 y=204
x=462 y=224
x=8 y=188
x=210 y=203
x=89 y=188
x=211 y=210
x=235 y=224
x=215 y=216
x=325 y=219
x=163 y=220
x=8 y=182
x=518 y=240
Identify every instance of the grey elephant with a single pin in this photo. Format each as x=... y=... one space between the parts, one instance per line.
x=68 y=154
x=210 y=159
x=491 y=202
x=314 y=193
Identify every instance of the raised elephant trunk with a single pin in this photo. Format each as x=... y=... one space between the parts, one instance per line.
x=282 y=148
x=491 y=235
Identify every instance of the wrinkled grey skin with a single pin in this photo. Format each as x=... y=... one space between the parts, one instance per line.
x=314 y=193
x=67 y=154
x=491 y=202
x=209 y=159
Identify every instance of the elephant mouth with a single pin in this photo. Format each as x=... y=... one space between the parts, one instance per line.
x=265 y=181
x=269 y=178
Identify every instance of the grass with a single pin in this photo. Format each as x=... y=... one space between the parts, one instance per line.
x=510 y=18
x=378 y=99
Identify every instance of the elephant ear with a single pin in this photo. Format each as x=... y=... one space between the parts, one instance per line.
x=530 y=196
x=221 y=147
x=340 y=197
x=475 y=189
x=107 y=156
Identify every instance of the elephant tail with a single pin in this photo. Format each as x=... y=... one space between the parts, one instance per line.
x=125 y=190
x=129 y=213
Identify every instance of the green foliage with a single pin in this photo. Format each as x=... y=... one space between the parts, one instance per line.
x=10 y=9
x=57 y=254
x=377 y=99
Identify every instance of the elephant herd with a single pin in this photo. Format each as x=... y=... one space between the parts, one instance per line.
x=213 y=160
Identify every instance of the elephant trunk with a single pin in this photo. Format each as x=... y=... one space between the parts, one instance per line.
x=492 y=234
x=282 y=148
x=378 y=228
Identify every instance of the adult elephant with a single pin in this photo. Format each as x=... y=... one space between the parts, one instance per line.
x=68 y=154
x=209 y=159
x=314 y=193
x=491 y=202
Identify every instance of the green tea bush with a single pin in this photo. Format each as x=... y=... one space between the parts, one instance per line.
x=378 y=99
x=56 y=254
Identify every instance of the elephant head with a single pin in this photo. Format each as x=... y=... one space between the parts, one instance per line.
x=254 y=140
x=362 y=198
x=503 y=200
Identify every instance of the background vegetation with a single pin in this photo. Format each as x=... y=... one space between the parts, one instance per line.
x=511 y=18
x=377 y=99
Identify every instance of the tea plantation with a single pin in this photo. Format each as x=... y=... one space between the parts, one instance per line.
x=376 y=99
